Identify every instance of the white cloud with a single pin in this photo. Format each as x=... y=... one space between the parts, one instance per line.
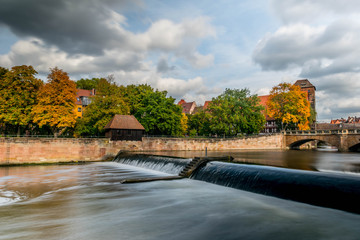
x=292 y=11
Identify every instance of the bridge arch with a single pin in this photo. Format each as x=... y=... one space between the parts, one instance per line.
x=297 y=144
x=355 y=148
x=295 y=141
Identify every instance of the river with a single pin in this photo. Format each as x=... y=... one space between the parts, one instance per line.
x=88 y=201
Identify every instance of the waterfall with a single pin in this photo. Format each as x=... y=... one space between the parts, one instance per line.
x=171 y=165
x=321 y=189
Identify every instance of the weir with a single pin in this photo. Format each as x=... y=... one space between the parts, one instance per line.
x=330 y=190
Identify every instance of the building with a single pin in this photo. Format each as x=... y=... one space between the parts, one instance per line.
x=83 y=99
x=124 y=127
x=187 y=107
x=306 y=86
x=270 y=125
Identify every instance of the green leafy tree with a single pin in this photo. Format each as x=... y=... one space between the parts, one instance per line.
x=135 y=94
x=107 y=102
x=290 y=106
x=87 y=84
x=3 y=71
x=236 y=111
x=18 y=92
x=199 y=123
x=158 y=113
x=56 y=103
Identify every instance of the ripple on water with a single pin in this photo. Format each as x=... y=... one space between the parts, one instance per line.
x=9 y=197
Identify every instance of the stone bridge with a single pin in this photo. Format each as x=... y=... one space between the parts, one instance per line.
x=345 y=140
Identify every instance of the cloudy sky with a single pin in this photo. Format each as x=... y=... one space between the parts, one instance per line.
x=193 y=49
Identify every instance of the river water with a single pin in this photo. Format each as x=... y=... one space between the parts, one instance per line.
x=89 y=201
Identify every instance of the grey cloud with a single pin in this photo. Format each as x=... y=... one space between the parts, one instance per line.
x=163 y=66
x=337 y=95
x=309 y=48
x=73 y=26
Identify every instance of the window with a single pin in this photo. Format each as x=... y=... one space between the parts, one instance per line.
x=79 y=109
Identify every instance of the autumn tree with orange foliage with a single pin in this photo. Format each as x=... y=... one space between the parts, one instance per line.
x=18 y=91
x=56 y=102
x=289 y=105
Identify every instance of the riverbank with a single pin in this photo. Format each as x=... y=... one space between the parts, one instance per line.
x=27 y=150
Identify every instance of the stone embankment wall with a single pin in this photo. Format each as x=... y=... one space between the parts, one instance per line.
x=46 y=150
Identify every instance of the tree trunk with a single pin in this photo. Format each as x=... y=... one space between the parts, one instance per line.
x=18 y=131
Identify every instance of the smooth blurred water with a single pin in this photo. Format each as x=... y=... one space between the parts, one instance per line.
x=348 y=163
x=89 y=202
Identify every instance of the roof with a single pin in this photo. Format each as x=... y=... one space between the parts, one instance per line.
x=188 y=107
x=181 y=102
x=206 y=104
x=124 y=122
x=263 y=102
x=264 y=99
x=83 y=93
x=304 y=83
x=80 y=93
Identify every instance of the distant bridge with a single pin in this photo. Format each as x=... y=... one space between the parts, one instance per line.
x=345 y=139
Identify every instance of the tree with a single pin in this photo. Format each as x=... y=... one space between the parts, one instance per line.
x=107 y=102
x=18 y=91
x=236 y=111
x=184 y=123
x=3 y=71
x=158 y=113
x=87 y=84
x=135 y=94
x=56 y=102
x=199 y=123
x=289 y=105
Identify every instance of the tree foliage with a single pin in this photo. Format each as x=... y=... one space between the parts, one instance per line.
x=18 y=91
x=199 y=123
x=87 y=84
x=56 y=102
x=155 y=111
x=236 y=111
x=289 y=105
x=135 y=95
x=107 y=102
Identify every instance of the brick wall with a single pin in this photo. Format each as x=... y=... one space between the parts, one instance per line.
x=38 y=150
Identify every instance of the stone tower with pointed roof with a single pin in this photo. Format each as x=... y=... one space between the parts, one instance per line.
x=306 y=86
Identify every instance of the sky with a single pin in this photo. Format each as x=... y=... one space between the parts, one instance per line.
x=193 y=49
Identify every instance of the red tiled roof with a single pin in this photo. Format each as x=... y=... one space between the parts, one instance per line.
x=206 y=104
x=181 y=102
x=124 y=122
x=264 y=99
x=188 y=108
x=83 y=93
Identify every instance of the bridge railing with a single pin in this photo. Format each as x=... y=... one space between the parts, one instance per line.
x=320 y=132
